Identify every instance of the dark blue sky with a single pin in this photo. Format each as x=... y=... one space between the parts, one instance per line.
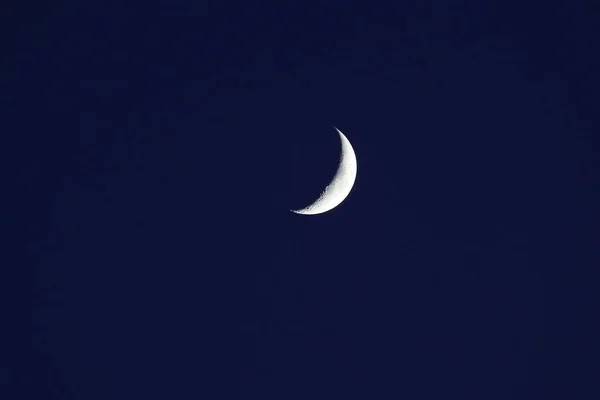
x=156 y=148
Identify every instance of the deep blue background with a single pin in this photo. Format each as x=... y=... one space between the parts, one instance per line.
x=153 y=150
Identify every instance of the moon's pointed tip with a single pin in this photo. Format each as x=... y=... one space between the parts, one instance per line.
x=302 y=212
x=339 y=132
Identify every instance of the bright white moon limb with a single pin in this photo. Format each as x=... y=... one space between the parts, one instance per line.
x=340 y=185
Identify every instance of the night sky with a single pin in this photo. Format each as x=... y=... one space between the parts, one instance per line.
x=154 y=150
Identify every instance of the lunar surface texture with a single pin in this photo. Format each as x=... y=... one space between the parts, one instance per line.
x=341 y=184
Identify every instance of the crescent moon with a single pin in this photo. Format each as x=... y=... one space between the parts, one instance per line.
x=340 y=185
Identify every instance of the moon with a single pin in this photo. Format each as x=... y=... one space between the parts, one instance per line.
x=340 y=186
